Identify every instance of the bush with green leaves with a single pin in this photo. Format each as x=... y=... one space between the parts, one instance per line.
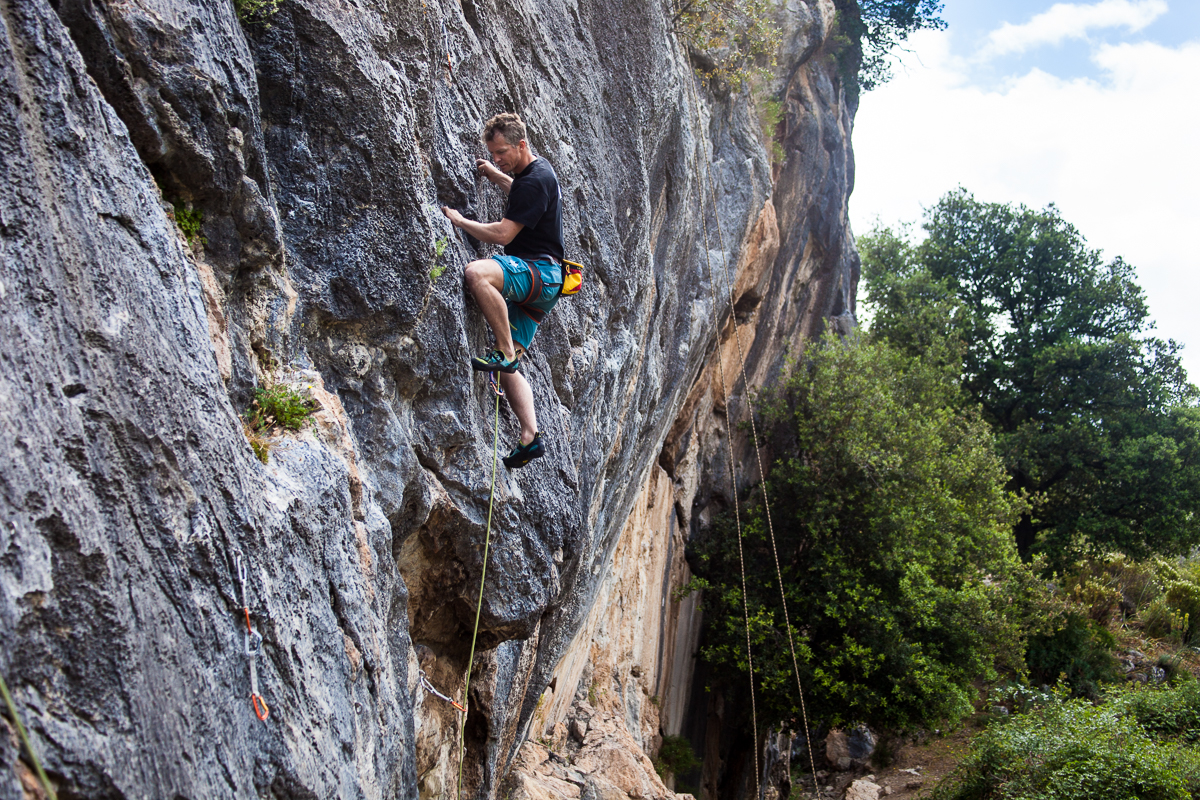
x=256 y=12
x=1171 y=713
x=891 y=519
x=1079 y=651
x=675 y=757
x=190 y=220
x=872 y=29
x=739 y=38
x=1107 y=583
x=1135 y=745
x=1073 y=750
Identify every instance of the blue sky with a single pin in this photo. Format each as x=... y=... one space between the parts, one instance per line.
x=1092 y=105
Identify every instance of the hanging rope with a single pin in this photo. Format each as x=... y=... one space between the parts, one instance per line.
x=762 y=478
x=37 y=765
x=462 y=730
x=728 y=438
x=252 y=644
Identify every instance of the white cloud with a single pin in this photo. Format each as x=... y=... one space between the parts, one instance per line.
x=1072 y=21
x=1118 y=157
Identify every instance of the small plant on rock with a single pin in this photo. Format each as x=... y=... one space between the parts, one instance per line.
x=276 y=406
x=189 y=221
x=439 y=249
x=280 y=405
x=256 y=12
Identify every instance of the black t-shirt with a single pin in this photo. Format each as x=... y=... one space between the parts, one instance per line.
x=535 y=201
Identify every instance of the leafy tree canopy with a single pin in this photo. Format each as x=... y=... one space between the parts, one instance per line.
x=902 y=582
x=1094 y=418
x=879 y=27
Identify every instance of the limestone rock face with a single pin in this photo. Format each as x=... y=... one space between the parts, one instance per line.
x=307 y=158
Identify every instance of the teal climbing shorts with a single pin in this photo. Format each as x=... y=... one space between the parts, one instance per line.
x=517 y=280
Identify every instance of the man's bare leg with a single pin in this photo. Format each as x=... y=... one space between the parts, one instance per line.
x=485 y=279
x=520 y=399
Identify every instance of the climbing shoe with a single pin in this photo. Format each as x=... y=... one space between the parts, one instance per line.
x=522 y=454
x=495 y=362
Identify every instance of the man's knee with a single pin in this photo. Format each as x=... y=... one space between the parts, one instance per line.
x=484 y=271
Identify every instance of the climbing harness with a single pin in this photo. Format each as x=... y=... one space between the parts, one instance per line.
x=37 y=765
x=429 y=687
x=761 y=472
x=536 y=287
x=252 y=644
x=487 y=541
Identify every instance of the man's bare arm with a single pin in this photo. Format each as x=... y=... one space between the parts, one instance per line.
x=501 y=232
x=488 y=170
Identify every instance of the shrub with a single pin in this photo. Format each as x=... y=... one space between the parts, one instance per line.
x=1072 y=750
x=1136 y=583
x=1184 y=597
x=280 y=405
x=1079 y=651
x=1169 y=713
x=277 y=405
x=1161 y=620
x=735 y=35
x=875 y=28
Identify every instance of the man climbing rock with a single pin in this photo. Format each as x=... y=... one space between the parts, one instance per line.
x=516 y=290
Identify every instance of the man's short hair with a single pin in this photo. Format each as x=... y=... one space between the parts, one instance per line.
x=507 y=126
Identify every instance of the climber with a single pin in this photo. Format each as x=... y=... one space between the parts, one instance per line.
x=516 y=290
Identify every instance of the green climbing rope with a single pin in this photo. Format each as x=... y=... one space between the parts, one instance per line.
x=37 y=765
x=487 y=541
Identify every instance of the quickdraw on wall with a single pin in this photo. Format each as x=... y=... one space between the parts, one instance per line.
x=429 y=687
x=445 y=41
x=251 y=644
x=446 y=47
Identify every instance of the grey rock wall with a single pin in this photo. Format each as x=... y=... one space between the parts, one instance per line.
x=318 y=149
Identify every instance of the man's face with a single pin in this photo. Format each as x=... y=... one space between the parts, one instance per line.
x=505 y=156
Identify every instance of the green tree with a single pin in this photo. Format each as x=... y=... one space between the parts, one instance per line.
x=1093 y=416
x=892 y=523
x=873 y=29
